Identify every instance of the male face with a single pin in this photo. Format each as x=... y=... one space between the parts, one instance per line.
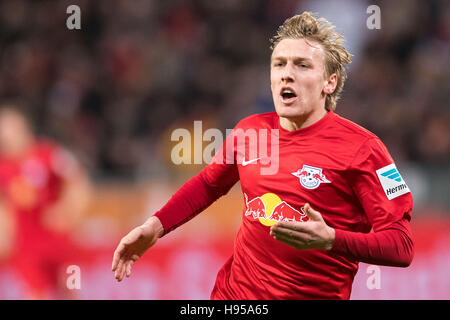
x=15 y=133
x=297 y=76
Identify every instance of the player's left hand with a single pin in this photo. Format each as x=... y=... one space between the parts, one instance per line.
x=312 y=234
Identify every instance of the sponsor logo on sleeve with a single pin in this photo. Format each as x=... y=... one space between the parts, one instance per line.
x=392 y=182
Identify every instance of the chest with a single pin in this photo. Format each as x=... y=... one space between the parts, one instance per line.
x=25 y=178
x=293 y=174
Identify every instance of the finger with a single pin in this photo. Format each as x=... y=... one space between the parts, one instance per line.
x=298 y=244
x=290 y=234
x=311 y=213
x=117 y=254
x=119 y=269
x=115 y=261
x=128 y=268
x=122 y=274
x=133 y=259
x=123 y=270
x=297 y=226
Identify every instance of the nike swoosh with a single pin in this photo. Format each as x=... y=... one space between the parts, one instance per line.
x=244 y=163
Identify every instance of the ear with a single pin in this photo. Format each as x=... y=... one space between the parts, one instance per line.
x=330 y=84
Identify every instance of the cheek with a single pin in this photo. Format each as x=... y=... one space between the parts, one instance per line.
x=314 y=83
x=273 y=82
x=272 y=78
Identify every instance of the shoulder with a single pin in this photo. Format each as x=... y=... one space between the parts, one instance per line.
x=358 y=136
x=353 y=130
x=362 y=143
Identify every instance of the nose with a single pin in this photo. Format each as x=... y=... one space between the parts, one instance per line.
x=288 y=74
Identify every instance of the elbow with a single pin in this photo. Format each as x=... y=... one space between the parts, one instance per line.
x=406 y=262
x=407 y=257
x=405 y=249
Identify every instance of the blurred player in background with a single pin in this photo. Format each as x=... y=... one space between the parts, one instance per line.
x=43 y=192
x=306 y=226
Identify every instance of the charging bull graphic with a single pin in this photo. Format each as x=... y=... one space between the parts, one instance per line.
x=269 y=209
x=310 y=177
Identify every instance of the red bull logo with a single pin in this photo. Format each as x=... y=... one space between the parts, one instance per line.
x=269 y=209
x=310 y=177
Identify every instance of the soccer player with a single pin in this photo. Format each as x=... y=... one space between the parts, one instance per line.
x=45 y=191
x=336 y=198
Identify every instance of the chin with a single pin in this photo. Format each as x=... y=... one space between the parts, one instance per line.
x=288 y=111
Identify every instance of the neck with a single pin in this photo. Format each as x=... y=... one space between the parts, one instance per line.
x=292 y=124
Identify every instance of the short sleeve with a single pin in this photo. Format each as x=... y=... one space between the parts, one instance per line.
x=379 y=186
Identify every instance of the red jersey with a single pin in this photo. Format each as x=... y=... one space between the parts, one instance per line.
x=29 y=185
x=342 y=170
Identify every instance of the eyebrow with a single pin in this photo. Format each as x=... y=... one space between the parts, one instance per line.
x=296 y=59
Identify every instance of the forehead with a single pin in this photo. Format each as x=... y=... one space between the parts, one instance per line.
x=299 y=48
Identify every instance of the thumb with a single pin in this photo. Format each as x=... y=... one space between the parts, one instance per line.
x=311 y=213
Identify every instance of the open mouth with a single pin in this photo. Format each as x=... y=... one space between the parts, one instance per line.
x=288 y=95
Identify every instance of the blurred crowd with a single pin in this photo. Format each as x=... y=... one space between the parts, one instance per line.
x=113 y=90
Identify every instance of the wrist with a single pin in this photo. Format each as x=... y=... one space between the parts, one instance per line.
x=331 y=238
x=154 y=224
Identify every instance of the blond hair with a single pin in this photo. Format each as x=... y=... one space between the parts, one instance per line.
x=306 y=25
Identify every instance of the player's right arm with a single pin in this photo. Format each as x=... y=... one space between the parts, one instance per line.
x=214 y=181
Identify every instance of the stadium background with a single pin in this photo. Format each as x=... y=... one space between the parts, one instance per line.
x=114 y=91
